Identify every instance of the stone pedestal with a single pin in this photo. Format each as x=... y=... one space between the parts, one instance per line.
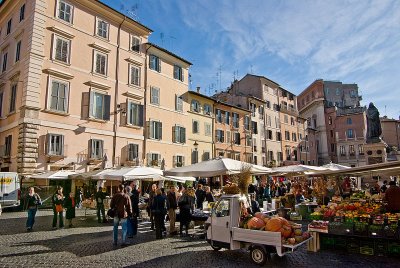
x=375 y=153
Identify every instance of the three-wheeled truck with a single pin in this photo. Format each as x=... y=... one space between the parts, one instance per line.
x=223 y=232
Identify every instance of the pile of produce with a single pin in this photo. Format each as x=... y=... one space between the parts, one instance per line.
x=291 y=232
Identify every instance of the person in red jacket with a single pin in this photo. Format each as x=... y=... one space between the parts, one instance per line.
x=392 y=197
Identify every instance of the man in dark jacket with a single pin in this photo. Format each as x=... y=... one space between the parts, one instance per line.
x=159 y=210
x=392 y=196
x=31 y=205
x=172 y=206
x=100 y=196
x=200 y=196
x=135 y=208
x=122 y=203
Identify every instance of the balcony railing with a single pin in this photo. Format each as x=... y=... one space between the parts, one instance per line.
x=289 y=110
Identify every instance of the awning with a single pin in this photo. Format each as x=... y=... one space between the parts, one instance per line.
x=131 y=173
x=55 y=175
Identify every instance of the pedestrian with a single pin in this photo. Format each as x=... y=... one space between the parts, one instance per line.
x=200 y=196
x=209 y=195
x=32 y=202
x=58 y=208
x=267 y=193
x=180 y=191
x=255 y=206
x=100 y=196
x=79 y=198
x=122 y=203
x=129 y=224
x=186 y=206
x=70 y=208
x=135 y=210
x=384 y=187
x=392 y=196
x=152 y=194
x=159 y=211
x=172 y=205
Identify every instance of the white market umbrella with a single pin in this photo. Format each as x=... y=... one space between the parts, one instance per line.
x=333 y=166
x=55 y=175
x=179 y=179
x=301 y=169
x=216 y=167
x=86 y=175
x=131 y=173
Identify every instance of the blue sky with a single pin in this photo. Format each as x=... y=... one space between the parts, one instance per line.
x=292 y=42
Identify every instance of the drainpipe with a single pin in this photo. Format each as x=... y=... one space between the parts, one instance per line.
x=116 y=92
x=145 y=105
x=213 y=133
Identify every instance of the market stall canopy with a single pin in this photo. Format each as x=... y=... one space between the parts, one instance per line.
x=55 y=175
x=131 y=173
x=381 y=169
x=295 y=169
x=179 y=179
x=333 y=166
x=216 y=167
x=87 y=175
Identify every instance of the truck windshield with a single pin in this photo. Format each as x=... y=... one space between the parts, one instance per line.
x=222 y=208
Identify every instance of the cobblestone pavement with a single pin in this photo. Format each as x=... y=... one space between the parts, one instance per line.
x=89 y=244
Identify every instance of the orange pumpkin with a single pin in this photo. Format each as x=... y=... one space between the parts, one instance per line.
x=266 y=220
x=260 y=215
x=255 y=223
x=274 y=225
x=286 y=231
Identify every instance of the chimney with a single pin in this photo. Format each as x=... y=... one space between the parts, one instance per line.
x=198 y=89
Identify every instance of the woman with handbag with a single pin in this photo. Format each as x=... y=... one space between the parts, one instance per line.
x=58 y=209
x=186 y=206
x=159 y=210
x=31 y=204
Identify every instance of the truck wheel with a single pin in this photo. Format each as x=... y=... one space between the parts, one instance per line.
x=259 y=255
x=216 y=248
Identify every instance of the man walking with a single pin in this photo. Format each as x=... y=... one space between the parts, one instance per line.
x=100 y=196
x=122 y=203
x=31 y=204
x=172 y=206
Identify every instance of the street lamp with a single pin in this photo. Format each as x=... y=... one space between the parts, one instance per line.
x=195 y=153
x=196 y=145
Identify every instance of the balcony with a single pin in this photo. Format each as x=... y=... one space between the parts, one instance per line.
x=289 y=110
x=4 y=155
x=96 y=157
x=56 y=155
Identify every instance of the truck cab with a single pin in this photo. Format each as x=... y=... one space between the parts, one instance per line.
x=10 y=191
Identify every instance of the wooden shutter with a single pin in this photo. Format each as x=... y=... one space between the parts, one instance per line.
x=106 y=111
x=149 y=129
x=62 y=144
x=159 y=160
x=140 y=115
x=183 y=135
x=174 y=129
x=160 y=130
x=91 y=102
x=90 y=148
x=183 y=161
x=174 y=160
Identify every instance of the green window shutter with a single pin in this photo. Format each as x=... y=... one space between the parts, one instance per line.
x=160 y=130
x=106 y=111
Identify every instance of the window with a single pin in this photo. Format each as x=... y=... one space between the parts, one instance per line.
x=62 y=49
x=179 y=161
x=206 y=156
x=278 y=136
x=269 y=121
x=154 y=159
x=207 y=109
x=252 y=108
x=337 y=92
x=100 y=63
x=300 y=136
x=222 y=208
x=288 y=153
x=8 y=145
x=22 y=13
x=18 y=51
x=207 y=129
x=155 y=95
x=268 y=104
x=178 y=72
x=102 y=28
x=59 y=96
x=342 y=150
x=13 y=98
x=236 y=137
x=195 y=127
x=294 y=137
x=9 y=27
x=352 y=152
x=219 y=115
x=235 y=120
x=332 y=147
x=228 y=137
x=350 y=134
x=155 y=130
x=331 y=133
x=227 y=118
x=261 y=112
x=360 y=149
x=55 y=144
x=330 y=120
x=246 y=123
x=349 y=121
x=64 y=11
x=134 y=73
x=269 y=134
x=178 y=103
x=155 y=63
x=195 y=106
x=286 y=119
x=135 y=44
x=287 y=135
x=4 y=65
x=279 y=156
x=195 y=156
x=254 y=127
x=133 y=152
x=134 y=114
x=179 y=134
x=248 y=140
x=99 y=105
x=292 y=121
x=219 y=135
x=1 y=103
x=96 y=149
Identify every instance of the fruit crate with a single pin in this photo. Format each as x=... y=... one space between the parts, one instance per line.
x=376 y=231
x=381 y=247
x=340 y=228
x=394 y=249
x=367 y=247
x=353 y=245
x=391 y=231
x=360 y=228
x=327 y=241
x=340 y=243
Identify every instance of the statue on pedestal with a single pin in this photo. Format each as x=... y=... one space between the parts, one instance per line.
x=374 y=129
